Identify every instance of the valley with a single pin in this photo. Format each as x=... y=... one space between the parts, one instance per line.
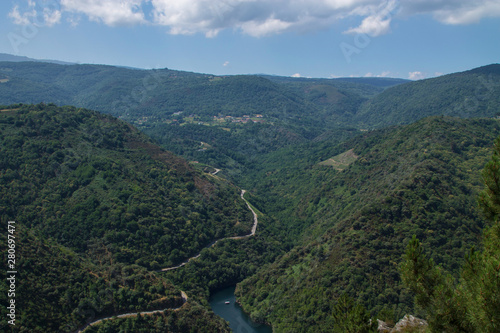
x=130 y=200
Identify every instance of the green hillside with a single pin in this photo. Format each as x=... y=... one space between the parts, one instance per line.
x=58 y=290
x=98 y=208
x=422 y=179
x=80 y=177
x=473 y=93
x=157 y=94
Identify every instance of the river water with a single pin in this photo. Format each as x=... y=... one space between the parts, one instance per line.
x=232 y=312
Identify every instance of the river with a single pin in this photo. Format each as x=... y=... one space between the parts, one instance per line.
x=232 y=312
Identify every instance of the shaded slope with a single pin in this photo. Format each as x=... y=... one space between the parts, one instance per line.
x=58 y=290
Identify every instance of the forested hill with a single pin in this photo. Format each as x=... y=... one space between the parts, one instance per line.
x=422 y=179
x=158 y=94
x=473 y=93
x=15 y=58
x=152 y=96
x=97 y=207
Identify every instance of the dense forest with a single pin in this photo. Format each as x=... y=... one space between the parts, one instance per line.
x=421 y=180
x=470 y=303
x=363 y=188
x=98 y=208
x=474 y=93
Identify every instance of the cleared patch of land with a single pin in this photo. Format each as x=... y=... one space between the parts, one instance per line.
x=341 y=161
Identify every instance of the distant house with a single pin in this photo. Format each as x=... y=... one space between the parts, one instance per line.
x=259 y=116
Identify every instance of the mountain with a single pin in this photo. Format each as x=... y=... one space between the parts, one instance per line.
x=422 y=179
x=473 y=93
x=284 y=110
x=98 y=208
x=135 y=93
x=245 y=116
x=151 y=97
x=14 y=58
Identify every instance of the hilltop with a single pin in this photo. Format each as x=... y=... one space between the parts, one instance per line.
x=473 y=93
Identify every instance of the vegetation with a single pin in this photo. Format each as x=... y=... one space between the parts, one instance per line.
x=420 y=179
x=470 y=304
x=98 y=208
x=101 y=208
x=87 y=179
x=468 y=94
x=187 y=319
x=58 y=290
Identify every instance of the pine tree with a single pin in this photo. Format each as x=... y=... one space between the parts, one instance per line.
x=352 y=317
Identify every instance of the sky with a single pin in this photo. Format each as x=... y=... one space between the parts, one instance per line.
x=411 y=39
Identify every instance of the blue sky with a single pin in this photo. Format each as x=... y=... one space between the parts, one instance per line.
x=313 y=38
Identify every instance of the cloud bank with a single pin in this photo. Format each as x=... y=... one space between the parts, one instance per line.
x=256 y=18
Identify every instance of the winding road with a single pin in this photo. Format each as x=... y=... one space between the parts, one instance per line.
x=134 y=314
x=252 y=233
x=183 y=294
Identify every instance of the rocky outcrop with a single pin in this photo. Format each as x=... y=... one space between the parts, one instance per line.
x=408 y=324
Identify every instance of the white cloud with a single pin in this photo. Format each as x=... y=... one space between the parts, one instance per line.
x=256 y=17
x=378 y=21
x=110 y=12
x=51 y=17
x=24 y=18
x=263 y=17
x=416 y=75
x=263 y=28
x=36 y=15
x=372 y=26
x=453 y=11
x=252 y=17
x=225 y=64
x=296 y=75
x=383 y=74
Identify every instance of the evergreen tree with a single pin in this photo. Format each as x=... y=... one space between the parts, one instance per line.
x=352 y=317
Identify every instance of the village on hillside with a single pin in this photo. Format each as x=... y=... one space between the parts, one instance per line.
x=177 y=118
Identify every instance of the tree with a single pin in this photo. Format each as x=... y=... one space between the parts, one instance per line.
x=489 y=198
x=352 y=317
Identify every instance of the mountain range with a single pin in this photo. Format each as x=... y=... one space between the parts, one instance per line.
x=341 y=172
